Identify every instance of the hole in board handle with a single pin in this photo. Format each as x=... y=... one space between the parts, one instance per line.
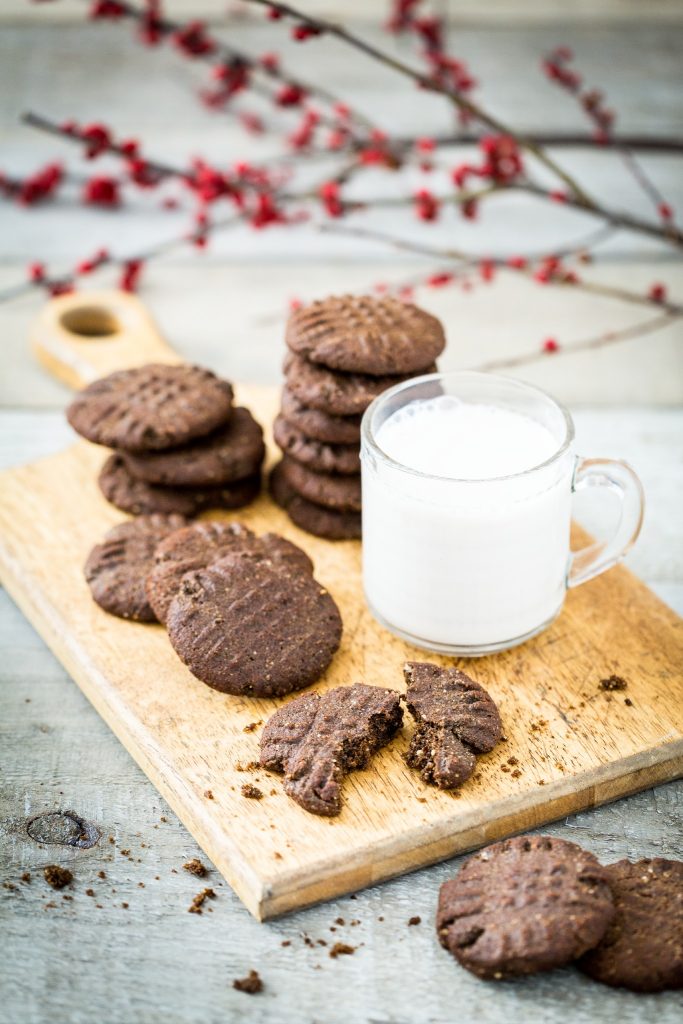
x=90 y=322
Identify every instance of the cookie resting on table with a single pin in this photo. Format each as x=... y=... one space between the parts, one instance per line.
x=642 y=949
x=524 y=905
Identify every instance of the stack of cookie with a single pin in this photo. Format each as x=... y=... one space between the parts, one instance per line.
x=343 y=353
x=244 y=612
x=180 y=446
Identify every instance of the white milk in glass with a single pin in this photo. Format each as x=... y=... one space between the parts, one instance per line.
x=462 y=545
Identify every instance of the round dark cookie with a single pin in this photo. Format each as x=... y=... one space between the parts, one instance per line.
x=233 y=452
x=322 y=522
x=366 y=334
x=339 y=394
x=253 y=626
x=140 y=498
x=116 y=569
x=151 y=407
x=327 y=489
x=320 y=425
x=642 y=949
x=318 y=456
x=524 y=905
x=200 y=544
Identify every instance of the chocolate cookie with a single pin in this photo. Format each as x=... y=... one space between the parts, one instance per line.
x=137 y=497
x=320 y=425
x=456 y=719
x=331 y=524
x=318 y=456
x=326 y=489
x=233 y=452
x=322 y=522
x=201 y=544
x=524 y=905
x=339 y=394
x=318 y=739
x=116 y=568
x=642 y=949
x=151 y=407
x=363 y=334
x=254 y=626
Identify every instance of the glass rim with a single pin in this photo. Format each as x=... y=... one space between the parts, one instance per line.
x=369 y=439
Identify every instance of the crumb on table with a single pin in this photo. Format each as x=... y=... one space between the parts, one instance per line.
x=251 y=984
x=56 y=876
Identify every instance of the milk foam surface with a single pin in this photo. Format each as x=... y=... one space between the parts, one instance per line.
x=447 y=437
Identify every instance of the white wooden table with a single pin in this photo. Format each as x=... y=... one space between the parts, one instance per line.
x=90 y=958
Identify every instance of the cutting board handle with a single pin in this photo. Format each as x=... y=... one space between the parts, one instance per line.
x=86 y=335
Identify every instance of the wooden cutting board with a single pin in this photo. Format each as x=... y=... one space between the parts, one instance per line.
x=571 y=745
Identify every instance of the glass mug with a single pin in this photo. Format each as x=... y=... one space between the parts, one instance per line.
x=469 y=567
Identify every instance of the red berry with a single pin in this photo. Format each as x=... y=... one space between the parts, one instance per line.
x=657 y=292
x=550 y=345
x=36 y=271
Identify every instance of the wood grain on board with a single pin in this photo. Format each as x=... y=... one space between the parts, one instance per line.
x=577 y=746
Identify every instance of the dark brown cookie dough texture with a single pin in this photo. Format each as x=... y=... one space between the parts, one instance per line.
x=456 y=720
x=139 y=498
x=330 y=490
x=337 y=394
x=524 y=905
x=233 y=452
x=642 y=949
x=317 y=739
x=199 y=545
x=322 y=522
x=117 y=568
x=320 y=426
x=362 y=334
x=253 y=626
x=316 y=455
x=152 y=407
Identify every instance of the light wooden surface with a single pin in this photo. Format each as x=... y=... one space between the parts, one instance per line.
x=154 y=962
x=576 y=748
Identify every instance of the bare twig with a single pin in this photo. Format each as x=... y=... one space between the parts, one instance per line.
x=501 y=263
x=638 y=330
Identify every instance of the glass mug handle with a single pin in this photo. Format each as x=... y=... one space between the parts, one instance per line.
x=621 y=480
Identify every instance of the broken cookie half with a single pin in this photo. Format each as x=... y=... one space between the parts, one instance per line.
x=317 y=739
x=456 y=720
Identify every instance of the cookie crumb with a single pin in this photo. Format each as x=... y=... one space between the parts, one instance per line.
x=201 y=897
x=195 y=867
x=101 y=874
x=414 y=920
x=252 y=726
x=207 y=793
x=251 y=984
x=341 y=949
x=251 y=792
x=57 y=877
x=628 y=702
x=26 y=877
x=125 y=906
x=516 y=774
x=513 y=761
x=286 y=942
x=89 y=892
x=613 y=683
x=125 y=853
x=339 y=920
